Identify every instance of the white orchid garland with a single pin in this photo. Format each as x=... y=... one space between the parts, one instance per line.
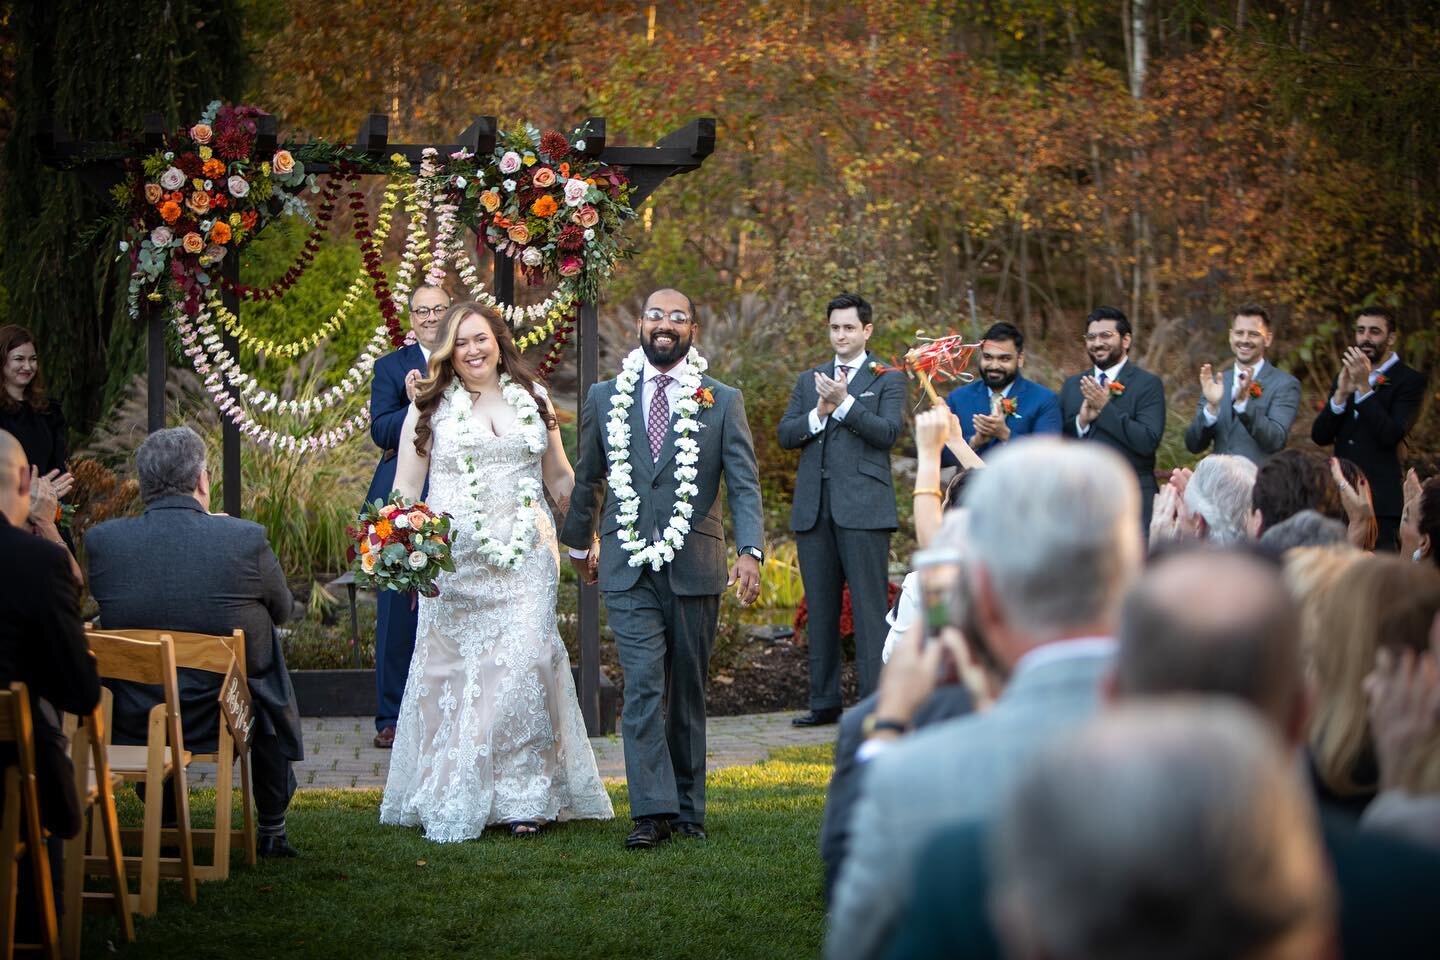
x=687 y=454
x=508 y=554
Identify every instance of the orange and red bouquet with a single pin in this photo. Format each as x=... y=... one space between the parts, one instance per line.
x=399 y=545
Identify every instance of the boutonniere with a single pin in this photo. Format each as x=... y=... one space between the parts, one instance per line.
x=876 y=367
x=705 y=397
x=1255 y=390
x=1116 y=388
x=1009 y=407
x=1381 y=380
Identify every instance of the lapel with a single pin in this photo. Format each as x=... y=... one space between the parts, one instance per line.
x=667 y=451
x=640 y=461
x=862 y=378
x=414 y=358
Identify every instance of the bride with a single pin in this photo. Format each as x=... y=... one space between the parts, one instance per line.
x=490 y=729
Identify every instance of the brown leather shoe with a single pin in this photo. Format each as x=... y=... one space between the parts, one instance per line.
x=385 y=739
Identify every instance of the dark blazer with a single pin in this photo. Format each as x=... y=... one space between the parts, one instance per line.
x=855 y=451
x=42 y=644
x=1261 y=429
x=1387 y=896
x=1037 y=410
x=1370 y=433
x=176 y=567
x=727 y=450
x=43 y=435
x=1132 y=423
x=388 y=406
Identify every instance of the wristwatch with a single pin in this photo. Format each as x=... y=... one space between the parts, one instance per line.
x=754 y=552
x=874 y=724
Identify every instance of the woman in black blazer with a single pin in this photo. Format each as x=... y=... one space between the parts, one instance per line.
x=25 y=412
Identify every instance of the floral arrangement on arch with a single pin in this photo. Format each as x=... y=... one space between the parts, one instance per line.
x=197 y=199
x=540 y=199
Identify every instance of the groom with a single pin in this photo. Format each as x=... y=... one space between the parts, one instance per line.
x=663 y=611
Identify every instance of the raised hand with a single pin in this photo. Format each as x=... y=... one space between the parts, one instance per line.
x=992 y=426
x=832 y=391
x=1404 y=695
x=1096 y=397
x=43 y=501
x=1359 y=507
x=1360 y=369
x=1242 y=386
x=932 y=430
x=412 y=380
x=1212 y=387
x=1410 y=515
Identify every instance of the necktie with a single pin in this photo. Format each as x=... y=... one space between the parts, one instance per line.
x=1103 y=379
x=843 y=372
x=997 y=404
x=659 y=416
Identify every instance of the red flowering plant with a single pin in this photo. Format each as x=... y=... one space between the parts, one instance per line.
x=543 y=201
x=847 y=614
x=197 y=199
x=398 y=545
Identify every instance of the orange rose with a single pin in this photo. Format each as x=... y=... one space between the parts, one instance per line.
x=490 y=200
x=545 y=206
x=169 y=211
x=543 y=177
x=153 y=193
x=201 y=133
x=367 y=562
x=283 y=163
x=193 y=243
x=213 y=169
x=198 y=202
x=220 y=233
x=519 y=234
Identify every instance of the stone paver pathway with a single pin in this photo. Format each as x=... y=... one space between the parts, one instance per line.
x=339 y=752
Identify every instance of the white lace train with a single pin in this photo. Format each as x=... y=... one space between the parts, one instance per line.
x=490 y=728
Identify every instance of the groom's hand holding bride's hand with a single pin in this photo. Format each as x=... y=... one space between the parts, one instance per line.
x=746 y=573
x=588 y=566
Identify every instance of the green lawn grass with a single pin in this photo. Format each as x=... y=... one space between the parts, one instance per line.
x=363 y=890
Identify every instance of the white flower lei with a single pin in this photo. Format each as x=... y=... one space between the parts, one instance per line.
x=687 y=453
x=527 y=492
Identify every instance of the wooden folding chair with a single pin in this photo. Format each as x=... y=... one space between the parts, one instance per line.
x=22 y=802
x=95 y=783
x=163 y=755
x=214 y=653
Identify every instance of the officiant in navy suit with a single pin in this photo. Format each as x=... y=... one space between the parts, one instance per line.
x=843 y=417
x=390 y=394
x=1002 y=404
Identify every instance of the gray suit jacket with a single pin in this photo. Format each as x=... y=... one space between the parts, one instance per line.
x=1261 y=430
x=856 y=450
x=700 y=568
x=954 y=772
x=176 y=567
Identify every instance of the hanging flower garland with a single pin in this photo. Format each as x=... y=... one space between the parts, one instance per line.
x=295 y=348
x=687 y=454
x=324 y=213
x=531 y=429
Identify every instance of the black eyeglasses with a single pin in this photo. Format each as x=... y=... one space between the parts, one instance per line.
x=678 y=317
x=423 y=312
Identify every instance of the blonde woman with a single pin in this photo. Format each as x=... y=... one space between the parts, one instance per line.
x=489 y=730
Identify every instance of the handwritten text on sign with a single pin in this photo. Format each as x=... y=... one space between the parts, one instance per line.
x=235 y=705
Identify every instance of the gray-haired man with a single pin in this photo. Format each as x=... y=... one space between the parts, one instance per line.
x=179 y=567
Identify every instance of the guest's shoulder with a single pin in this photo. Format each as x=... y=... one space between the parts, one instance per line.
x=910 y=764
x=1036 y=388
x=25 y=550
x=109 y=531
x=235 y=527
x=1139 y=375
x=396 y=359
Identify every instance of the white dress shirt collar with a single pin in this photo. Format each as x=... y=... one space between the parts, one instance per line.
x=1111 y=373
x=675 y=372
x=854 y=365
x=424 y=352
x=1254 y=371
x=1390 y=361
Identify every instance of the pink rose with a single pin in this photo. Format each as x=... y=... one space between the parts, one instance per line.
x=215 y=253
x=153 y=193
x=575 y=191
x=238 y=186
x=570 y=266
x=587 y=216
x=161 y=236
x=283 y=163
x=201 y=133
x=543 y=177
x=417 y=520
x=172 y=179
x=510 y=162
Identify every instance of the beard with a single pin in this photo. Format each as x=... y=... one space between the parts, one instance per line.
x=998 y=380
x=666 y=356
x=1106 y=359
x=1375 y=351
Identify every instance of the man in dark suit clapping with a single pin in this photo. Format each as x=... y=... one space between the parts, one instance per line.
x=844 y=417
x=1373 y=404
x=179 y=567
x=1117 y=403
x=390 y=394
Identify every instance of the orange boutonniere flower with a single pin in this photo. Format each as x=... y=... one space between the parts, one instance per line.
x=705 y=397
x=1255 y=390
x=1381 y=380
x=1116 y=388
x=1010 y=408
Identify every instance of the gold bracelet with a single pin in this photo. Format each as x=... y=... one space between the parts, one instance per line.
x=926 y=491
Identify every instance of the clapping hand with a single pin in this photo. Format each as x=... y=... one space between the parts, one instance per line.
x=1095 y=396
x=1243 y=379
x=43 y=499
x=1410 y=514
x=1359 y=507
x=1212 y=386
x=1404 y=695
x=993 y=426
x=832 y=391
x=932 y=430
x=412 y=380
x=1359 y=368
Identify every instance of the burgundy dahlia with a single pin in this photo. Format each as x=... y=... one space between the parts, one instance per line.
x=572 y=238
x=554 y=145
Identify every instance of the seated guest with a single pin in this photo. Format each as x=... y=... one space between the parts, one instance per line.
x=1305 y=529
x=1420 y=520
x=179 y=567
x=1212 y=502
x=1203 y=622
x=1002 y=404
x=42 y=644
x=1052 y=545
x=1163 y=829
x=1290 y=481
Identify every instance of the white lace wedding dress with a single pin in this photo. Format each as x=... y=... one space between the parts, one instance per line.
x=490 y=728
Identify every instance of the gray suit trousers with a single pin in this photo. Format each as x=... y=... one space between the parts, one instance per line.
x=664 y=642
x=832 y=556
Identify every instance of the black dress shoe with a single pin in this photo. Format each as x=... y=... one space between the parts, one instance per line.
x=276 y=847
x=818 y=718
x=690 y=831
x=649 y=832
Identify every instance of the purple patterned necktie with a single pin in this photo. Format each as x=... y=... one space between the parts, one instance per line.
x=659 y=416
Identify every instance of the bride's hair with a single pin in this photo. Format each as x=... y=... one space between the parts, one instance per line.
x=441 y=373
